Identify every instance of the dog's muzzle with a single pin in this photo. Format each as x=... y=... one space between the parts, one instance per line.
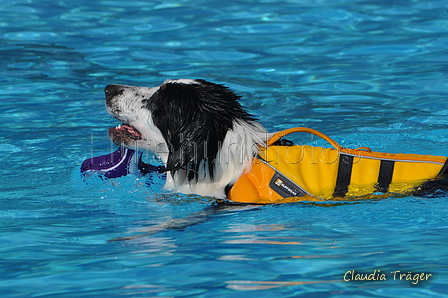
x=125 y=133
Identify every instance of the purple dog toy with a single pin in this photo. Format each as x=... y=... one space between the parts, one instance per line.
x=119 y=163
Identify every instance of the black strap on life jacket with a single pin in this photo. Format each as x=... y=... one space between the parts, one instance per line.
x=344 y=175
x=385 y=175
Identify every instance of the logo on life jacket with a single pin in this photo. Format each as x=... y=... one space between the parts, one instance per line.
x=284 y=187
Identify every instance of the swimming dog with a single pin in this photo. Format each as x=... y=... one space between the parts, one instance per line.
x=211 y=146
x=198 y=129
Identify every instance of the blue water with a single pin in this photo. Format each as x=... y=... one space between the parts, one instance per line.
x=370 y=73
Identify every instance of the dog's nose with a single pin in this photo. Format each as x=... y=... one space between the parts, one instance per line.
x=113 y=90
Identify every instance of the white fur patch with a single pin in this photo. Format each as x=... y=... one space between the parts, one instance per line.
x=183 y=81
x=239 y=147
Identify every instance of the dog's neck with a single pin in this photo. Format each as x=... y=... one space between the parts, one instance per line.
x=238 y=148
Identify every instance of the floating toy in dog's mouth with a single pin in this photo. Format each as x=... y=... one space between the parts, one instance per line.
x=117 y=164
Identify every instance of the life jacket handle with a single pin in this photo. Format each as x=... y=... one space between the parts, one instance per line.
x=361 y=151
x=277 y=136
x=367 y=149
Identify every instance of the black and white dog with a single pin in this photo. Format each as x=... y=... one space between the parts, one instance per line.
x=199 y=130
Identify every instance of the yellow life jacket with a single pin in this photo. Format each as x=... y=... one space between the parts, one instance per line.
x=281 y=174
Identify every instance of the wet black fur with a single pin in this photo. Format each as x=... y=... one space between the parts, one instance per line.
x=194 y=120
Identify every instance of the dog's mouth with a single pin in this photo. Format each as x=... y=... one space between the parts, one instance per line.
x=123 y=134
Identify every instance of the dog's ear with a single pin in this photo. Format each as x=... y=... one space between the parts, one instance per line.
x=194 y=120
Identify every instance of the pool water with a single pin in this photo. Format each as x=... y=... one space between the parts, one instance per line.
x=370 y=73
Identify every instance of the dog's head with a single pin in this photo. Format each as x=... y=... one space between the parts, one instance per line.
x=183 y=121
